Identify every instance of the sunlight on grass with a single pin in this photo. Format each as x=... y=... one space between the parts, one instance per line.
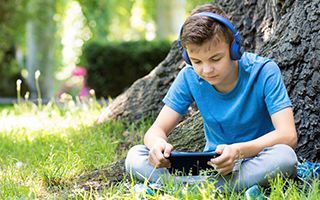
x=44 y=149
x=50 y=117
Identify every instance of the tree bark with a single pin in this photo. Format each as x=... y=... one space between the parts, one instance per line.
x=286 y=31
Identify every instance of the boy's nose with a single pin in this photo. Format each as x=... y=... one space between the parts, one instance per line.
x=207 y=69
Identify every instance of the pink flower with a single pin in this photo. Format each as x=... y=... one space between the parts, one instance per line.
x=79 y=71
x=84 y=92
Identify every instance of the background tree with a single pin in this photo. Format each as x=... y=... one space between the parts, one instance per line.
x=40 y=40
x=169 y=17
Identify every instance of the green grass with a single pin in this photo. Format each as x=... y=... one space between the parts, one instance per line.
x=47 y=148
x=44 y=150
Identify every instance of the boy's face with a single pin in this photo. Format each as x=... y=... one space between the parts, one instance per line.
x=212 y=62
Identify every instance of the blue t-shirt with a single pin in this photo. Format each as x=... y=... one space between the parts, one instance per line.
x=241 y=115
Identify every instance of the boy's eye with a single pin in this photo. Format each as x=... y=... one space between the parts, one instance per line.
x=196 y=61
x=215 y=59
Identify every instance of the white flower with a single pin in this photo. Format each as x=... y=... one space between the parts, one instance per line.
x=92 y=92
x=37 y=74
x=19 y=84
x=19 y=164
x=26 y=96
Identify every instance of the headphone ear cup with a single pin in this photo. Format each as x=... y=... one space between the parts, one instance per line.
x=235 y=50
x=185 y=56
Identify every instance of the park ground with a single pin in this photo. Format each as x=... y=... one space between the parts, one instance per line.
x=44 y=150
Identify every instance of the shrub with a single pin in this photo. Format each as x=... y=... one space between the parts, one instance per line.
x=114 y=66
x=9 y=73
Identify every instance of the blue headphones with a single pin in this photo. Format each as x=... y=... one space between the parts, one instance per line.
x=236 y=49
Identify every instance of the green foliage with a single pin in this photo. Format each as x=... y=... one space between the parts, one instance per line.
x=97 y=13
x=9 y=72
x=194 y=3
x=12 y=21
x=101 y=13
x=116 y=65
x=14 y=15
x=150 y=10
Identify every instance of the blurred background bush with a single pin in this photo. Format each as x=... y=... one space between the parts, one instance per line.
x=114 y=66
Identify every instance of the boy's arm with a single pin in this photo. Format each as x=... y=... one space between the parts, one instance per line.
x=161 y=127
x=157 y=136
x=284 y=133
x=275 y=96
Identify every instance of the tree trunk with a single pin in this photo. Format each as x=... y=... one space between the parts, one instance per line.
x=41 y=46
x=286 y=31
x=170 y=17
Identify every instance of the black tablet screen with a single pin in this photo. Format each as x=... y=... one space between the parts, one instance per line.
x=190 y=163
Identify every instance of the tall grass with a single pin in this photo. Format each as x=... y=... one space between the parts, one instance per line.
x=43 y=150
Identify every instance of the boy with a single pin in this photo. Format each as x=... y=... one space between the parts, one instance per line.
x=246 y=111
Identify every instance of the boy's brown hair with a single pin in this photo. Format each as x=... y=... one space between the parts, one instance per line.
x=199 y=29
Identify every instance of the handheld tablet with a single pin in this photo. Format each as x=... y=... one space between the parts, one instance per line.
x=190 y=163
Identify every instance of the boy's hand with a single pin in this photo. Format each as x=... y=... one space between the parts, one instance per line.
x=225 y=162
x=159 y=153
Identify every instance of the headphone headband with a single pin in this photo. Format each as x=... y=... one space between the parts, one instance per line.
x=236 y=49
x=218 y=18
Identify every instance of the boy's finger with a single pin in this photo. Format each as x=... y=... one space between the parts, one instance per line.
x=212 y=165
x=220 y=149
x=159 y=155
x=226 y=164
x=167 y=150
x=219 y=160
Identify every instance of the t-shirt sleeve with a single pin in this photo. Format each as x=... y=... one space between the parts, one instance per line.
x=275 y=92
x=179 y=96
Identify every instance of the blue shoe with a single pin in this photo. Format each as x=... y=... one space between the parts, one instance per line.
x=308 y=170
x=254 y=192
x=141 y=190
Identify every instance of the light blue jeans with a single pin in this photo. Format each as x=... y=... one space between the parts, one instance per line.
x=278 y=159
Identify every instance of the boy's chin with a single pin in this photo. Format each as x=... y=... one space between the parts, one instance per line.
x=213 y=81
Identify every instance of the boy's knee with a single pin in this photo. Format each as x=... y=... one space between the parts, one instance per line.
x=287 y=153
x=287 y=158
x=137 y=150
x=135 y=157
